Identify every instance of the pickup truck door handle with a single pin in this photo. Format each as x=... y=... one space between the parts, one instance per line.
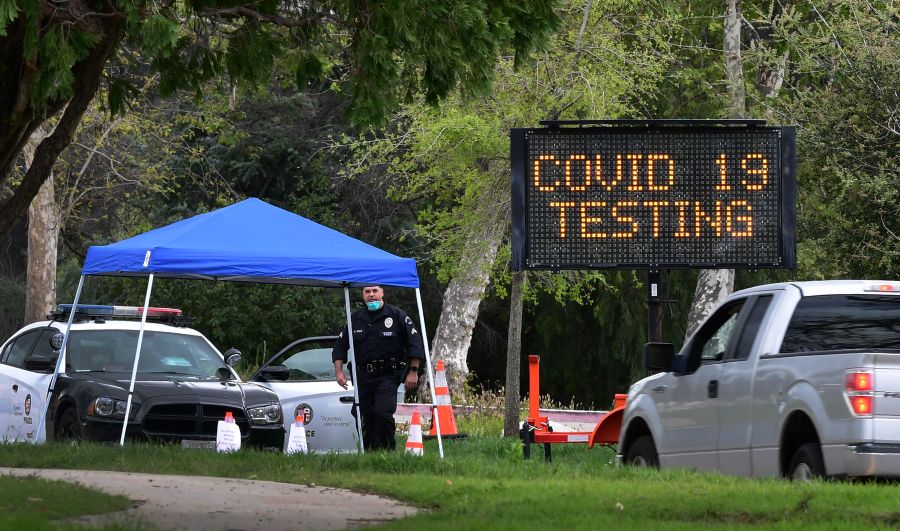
x=347 y=399
x=659 y=389
x=712 y=389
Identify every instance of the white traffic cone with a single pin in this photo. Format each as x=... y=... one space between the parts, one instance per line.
x=297 y=438
x=414 y=443
x=228 y=434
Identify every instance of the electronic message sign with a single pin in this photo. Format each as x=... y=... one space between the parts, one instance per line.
x=654 y=196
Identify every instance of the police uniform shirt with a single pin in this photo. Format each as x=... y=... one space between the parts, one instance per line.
x=381 y=335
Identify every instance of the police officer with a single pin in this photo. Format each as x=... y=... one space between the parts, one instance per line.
x=388 y=350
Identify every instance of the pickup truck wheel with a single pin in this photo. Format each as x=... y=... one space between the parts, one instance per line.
x=807 y=463
x=642 y=453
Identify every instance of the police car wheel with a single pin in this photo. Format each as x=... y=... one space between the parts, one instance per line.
x=69 y=428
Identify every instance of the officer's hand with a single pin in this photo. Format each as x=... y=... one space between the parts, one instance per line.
x=412 y=381
x=342 y=379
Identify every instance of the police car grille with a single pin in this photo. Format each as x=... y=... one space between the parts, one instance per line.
x=190 y=420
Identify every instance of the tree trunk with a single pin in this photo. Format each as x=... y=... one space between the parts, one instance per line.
x=460 y=306
x=713 y=285
x=734 y=71
x=513 y=357
x=459 y=311
x=43 y=234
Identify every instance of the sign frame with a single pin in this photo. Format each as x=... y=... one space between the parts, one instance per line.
x=785 y=169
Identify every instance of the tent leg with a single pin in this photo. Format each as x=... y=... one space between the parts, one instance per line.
x=137 y=357
x=352 y=361
x=435 y=416
x=59 y=362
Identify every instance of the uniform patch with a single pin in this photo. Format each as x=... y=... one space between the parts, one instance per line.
x=388 y=322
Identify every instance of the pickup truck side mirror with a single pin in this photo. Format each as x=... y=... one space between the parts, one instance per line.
x=658 y=357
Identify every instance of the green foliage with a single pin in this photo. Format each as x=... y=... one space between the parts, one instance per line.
x=12 y=304
x=8 y=12
x=251 y=53
x=59 y=49
x=390 y=50
x=440 y=46
x=840 y=88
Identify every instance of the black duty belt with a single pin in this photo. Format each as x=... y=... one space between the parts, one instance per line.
x=382 y=367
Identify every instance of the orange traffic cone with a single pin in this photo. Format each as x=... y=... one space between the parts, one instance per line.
x=414 y=441
x=443 y=407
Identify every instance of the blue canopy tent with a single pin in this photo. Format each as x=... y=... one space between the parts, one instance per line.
x=252 y=241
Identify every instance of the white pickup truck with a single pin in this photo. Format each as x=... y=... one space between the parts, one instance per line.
x=796 y=379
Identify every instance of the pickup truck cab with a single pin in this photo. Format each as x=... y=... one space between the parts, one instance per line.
x=794 y=379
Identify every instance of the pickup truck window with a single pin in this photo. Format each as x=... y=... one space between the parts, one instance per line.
x=751 y=328
x=711 y=341
x=714 y=348
x=843 y=322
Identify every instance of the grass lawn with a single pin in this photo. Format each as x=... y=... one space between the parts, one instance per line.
x=32 y=503
x=483 y=483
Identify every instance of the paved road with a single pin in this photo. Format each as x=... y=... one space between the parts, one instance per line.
x=219 y=504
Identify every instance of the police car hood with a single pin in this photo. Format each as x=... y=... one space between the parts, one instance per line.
x=175 y=387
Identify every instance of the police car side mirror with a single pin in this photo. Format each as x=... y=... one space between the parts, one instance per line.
x=275 y=373
x=232 y=357
x=40 y=364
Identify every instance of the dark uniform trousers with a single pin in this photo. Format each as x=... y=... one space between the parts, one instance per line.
x=378 y=403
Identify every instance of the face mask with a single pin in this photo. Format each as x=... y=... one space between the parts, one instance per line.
x=374 y=305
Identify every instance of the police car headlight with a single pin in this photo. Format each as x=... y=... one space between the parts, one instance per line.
x=107 y=407
x=102 y=407
x=265 y=415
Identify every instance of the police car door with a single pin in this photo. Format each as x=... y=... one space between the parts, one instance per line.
x=25 y=386
x=302 y=375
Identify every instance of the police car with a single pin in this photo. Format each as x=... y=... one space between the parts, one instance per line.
x=302 y=374
x=183 y=386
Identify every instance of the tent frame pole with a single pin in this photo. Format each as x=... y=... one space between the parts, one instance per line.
x=137 y=357
x=59 y=362
x=434 y=416
x=352 y=360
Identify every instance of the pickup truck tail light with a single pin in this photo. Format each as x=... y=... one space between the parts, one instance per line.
x=858 y=381
x=858 y=390
x=861 y=405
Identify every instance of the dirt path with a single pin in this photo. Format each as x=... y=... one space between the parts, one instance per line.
x=206 y=503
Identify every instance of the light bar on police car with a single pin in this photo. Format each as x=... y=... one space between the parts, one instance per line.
x=119 y=311
x=884 y=287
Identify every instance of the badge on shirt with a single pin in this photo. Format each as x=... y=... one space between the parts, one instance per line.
x=388 y=322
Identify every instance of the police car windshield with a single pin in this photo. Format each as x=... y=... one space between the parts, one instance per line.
x=161 y=352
